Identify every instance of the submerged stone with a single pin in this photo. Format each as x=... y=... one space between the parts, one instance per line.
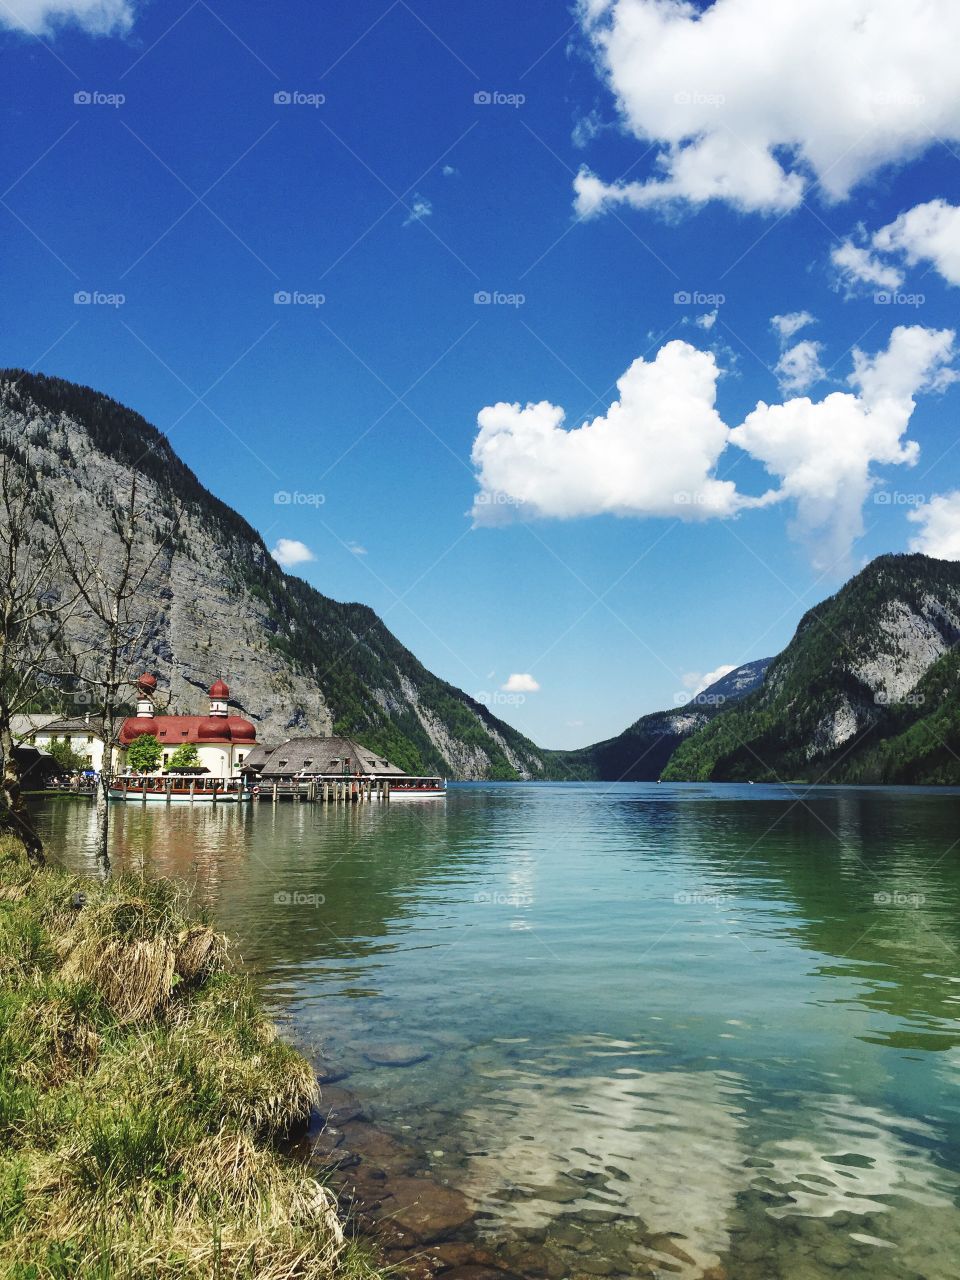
x=395 y=1055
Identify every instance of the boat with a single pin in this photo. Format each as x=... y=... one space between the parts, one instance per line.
x=417 y=788
x=169 y=788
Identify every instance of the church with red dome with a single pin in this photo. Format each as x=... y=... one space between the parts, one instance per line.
x=223 y=741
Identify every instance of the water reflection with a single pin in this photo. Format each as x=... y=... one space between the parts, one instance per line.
x=668 y=1027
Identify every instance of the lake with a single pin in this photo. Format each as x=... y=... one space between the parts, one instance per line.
x=669 y=1028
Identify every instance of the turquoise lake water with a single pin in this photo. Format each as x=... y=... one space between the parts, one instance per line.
x=669 y=1027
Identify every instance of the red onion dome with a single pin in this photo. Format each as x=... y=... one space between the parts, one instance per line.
x=136 y=727
x=212 y=727
x=147 y=682
x=219 y=690
x=241 y=730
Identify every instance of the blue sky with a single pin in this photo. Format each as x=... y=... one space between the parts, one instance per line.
x=386 y=189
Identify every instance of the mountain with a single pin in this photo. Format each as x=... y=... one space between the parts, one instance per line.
x=866 y=691
x=297 y=662
x=641 y=752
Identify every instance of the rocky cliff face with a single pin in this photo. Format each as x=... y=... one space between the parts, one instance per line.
x=862 y=692
x=296 y=661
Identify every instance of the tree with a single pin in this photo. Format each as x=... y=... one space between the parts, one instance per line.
x=117 y=588
x=144 y=753
x=67 y=758
x=34 y=611
x=186 y=756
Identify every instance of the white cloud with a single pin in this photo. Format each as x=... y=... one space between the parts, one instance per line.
x=708 y=319
x=695 y=682
x=939 y=521
x=652 y=453
x=520 y=682
x=289 y=552
x=822 y=452
x=41 y=17
x=655 y=451
x=449 y=171
x=858 y=265
x=356 y=548
x=927 y=233
x=799 y=367
x=749 y=101
x=791 y=323
x=420 y=209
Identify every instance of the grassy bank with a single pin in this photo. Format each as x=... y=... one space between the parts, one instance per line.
x=142 y=1094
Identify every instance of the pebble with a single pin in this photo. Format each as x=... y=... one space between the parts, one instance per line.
x=395 y=1055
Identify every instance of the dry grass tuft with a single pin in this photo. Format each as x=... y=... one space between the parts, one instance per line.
x=141 y=1088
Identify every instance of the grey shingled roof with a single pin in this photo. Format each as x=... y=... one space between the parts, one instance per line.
x=321 y=755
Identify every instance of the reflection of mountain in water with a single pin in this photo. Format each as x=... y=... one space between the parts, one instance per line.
x=865 y=878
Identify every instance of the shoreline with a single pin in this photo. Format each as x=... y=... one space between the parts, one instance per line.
x=146 y=1100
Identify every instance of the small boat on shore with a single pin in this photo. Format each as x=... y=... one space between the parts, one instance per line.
x=167 y=788
x=418 y=788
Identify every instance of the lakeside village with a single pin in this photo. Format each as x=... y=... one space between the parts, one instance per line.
x=213 y=758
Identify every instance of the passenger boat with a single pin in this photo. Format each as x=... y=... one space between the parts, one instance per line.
x=168 y=788
x=417 y=788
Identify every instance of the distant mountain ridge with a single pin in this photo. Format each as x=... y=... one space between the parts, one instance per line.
x=297 y=661
x=866 y=691
x=642 y=751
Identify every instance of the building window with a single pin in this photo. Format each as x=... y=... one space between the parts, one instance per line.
x=89 y=739
x=240 y=758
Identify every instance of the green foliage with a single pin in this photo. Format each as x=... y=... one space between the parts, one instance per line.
x=144 y=753
x=775 y=734
x=68 y=759
x=186 y=756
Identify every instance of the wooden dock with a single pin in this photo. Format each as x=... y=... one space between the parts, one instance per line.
x=325 y=791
